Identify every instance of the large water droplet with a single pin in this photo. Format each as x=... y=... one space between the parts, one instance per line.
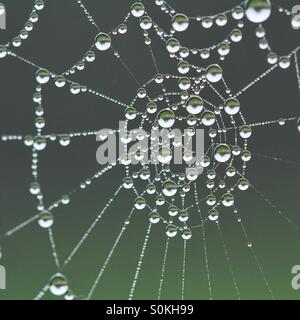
x=58 y=285
x=232 y=106
x=180 y=22
x=222 y=153
x=214 y=73
x=103 y=41
x=169 y=188
x=166 y=118
x=258 y=11
x=194 y=105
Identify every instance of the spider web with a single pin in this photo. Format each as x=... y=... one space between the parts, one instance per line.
x=146 y=182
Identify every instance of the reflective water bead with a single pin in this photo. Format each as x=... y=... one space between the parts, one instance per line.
x=64 y=140
x=245 y=132
x=130 y=113
x=173 y=211
x=39 y=143
x=146 y=23
x=221 y=20
x=272 y=58
x=180 y=22
x=232 y=106
x=207 y=22
x=171 y=231
x=194 y=105
x=228 y=200
x=169 y=188
x=103 y=41
x=213 y=215
x=140 y=203
x=296 y=21
x=284 y=62
x=236 y=35
x=58 y=285
x=46 y=219
x=183 y=67
x=60 y=81
x=3 y=51
x=238 y=13
x=258 y=11
x=166 y=118
x=183 y=216
x=243 y=184
x=127 y=183
x=154 y=217
x=222 y=153
x=186 y=234
x=137 y=9
x=42 y=76
x=208 y=118
x=172 y=45
x=214 y=73
x=34 y=188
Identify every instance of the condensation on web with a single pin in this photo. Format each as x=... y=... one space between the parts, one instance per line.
x=195 y=96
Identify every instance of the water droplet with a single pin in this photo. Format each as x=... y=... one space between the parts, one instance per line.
x=228 y=200
x=194 y=105
x=103 y=41
x=284 y=62
x=243 y=184
x=146 y=23
x=222 y=153
x=213 y=215
x=3 y=51
x=180 y=22
x=64 y=140
x=232 y=106
x=296 y=22
x=137 y=9
x=58 y=285
x=214 y=73
x=186 y=234
x=127 y=183
x=258 y=11
x=173 y=211
x=60 y=81
x=208 y=118
x=173 y=45
x=169 y=188
x=171 y=231
x=39 y=143
x=154 y=217
x=42 y=76
x=140 y=203
x=46 y=219
x=166 y=118
x=34 y=188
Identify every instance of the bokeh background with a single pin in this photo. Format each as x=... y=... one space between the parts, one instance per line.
x=61 y=38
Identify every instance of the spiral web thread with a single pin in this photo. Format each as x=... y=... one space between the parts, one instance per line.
x=39 y=141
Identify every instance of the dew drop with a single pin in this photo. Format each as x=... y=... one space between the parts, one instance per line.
x=258 y=11
x=180 y=22
x=103 y=41
x=222 y=153
x=214 y=73
x=58 y=285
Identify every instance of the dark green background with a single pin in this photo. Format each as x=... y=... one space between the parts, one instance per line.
x=58 y=41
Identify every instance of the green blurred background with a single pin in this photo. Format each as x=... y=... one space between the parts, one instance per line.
x=61 y=38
